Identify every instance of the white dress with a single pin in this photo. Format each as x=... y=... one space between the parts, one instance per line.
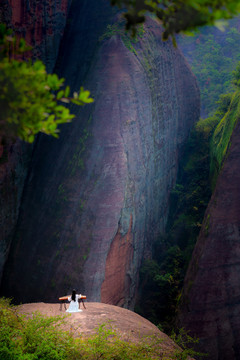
x=73 y=306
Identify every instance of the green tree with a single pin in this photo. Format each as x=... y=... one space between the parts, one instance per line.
x=31 y=100
x=236 y=76
x=212 y=55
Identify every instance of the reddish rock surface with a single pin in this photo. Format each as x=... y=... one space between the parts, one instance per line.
x=96 y=198
x=211 y=296
x=41 y=23
x=115 y=287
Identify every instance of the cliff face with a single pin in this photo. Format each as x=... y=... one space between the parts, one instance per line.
x=41 y=23
x=14 y=160
x=211 y=292
x=96 y=198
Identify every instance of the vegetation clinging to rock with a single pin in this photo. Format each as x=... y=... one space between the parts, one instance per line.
x=221 y=138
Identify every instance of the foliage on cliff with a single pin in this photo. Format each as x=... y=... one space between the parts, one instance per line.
x=225 y=118
x=30 y=98
x=39 y=337
x=178 y=15
x=213 y=54
x=221 y=139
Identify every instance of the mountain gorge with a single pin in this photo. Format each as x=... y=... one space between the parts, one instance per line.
x=85 y=210
x=95 y=199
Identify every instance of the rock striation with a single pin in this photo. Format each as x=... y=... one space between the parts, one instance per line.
x=211 y=298
x=97 y=197
x=41 y=23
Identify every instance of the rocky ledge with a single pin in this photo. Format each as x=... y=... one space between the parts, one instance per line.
x=129 y=325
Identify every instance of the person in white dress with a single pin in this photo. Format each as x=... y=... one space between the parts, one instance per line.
x=73 y=306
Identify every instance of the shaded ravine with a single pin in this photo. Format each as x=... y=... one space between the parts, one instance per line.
x=211 y=295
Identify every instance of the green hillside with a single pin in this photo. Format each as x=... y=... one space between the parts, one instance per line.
x=213 y=54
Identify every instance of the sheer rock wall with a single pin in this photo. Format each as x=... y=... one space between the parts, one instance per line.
x=96 y=198
x=14 y=161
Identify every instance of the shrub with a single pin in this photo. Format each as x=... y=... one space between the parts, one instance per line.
x=39 y=337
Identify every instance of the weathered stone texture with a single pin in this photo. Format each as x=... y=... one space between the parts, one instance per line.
x=97 y=197
x=5 y=12
x=41 y=23
x=211 y=296
x=116 y=284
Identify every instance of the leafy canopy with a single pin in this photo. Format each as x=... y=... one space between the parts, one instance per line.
x=236 y=76
x=178 y=15
x=31 y=100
